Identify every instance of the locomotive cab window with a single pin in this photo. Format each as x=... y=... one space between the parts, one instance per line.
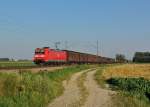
x=39 y=51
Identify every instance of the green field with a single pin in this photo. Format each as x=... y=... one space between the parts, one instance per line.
x=16 y=64
x=28 y=89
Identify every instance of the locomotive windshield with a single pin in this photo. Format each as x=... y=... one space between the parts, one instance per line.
x=39 y=51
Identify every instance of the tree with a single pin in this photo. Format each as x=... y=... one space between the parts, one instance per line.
x=120 y=58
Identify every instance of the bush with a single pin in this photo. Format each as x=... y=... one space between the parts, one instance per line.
x=138 y=86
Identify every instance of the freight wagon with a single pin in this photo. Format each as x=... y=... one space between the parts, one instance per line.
x=47 y=55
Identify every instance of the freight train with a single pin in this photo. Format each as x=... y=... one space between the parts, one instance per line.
x=47 y=55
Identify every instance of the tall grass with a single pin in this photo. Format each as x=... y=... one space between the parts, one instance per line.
x=26 y=89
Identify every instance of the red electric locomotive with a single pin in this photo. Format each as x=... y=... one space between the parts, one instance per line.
x=47 y=55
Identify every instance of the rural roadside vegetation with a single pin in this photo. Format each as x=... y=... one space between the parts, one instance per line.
x=27 y=89
x=130 y=81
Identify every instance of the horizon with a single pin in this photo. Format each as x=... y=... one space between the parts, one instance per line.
x=121 y=27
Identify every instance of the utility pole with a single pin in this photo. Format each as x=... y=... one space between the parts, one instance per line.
x=97 y=48
x=56 y=45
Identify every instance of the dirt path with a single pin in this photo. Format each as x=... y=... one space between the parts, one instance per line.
x=97 y=97
x=71 y=94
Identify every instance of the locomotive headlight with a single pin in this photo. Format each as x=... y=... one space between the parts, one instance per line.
x=37 y=56
x=42 y=56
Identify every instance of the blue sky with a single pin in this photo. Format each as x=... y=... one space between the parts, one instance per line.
x=120 y=26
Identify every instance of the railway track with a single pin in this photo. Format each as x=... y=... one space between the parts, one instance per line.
x=29 y=67
x=32 y=68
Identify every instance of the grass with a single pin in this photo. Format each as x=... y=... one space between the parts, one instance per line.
x=98 y=76
x=16 y=64
x=26 y=89
x=83 y=91
x=130 y=80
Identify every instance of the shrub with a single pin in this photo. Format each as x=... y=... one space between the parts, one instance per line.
x=132 y=85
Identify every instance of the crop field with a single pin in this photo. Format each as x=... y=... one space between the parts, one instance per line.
x=132 y=81
x=16 y=64
x=128 y=70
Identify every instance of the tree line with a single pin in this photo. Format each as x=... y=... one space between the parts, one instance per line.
x=142 y=57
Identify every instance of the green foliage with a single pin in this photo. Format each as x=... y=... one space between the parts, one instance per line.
x=120 y=58
x=138 y=87
x=33 y=89
x=142 y=57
